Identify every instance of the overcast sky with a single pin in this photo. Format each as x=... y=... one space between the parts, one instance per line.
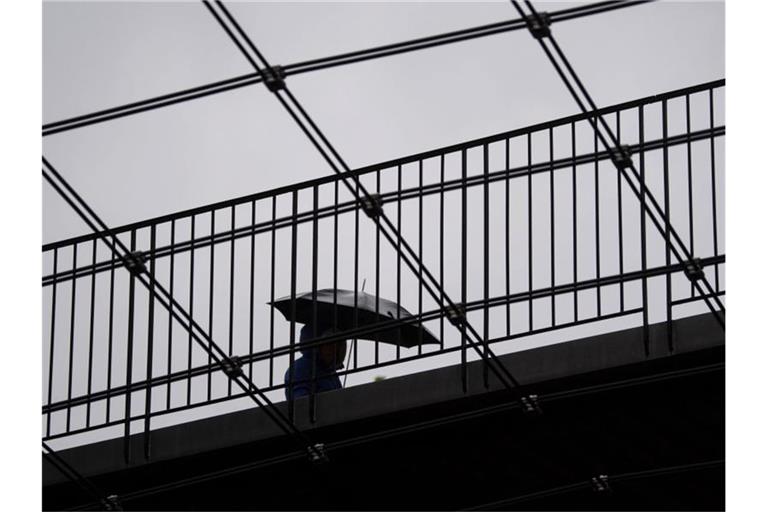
x=101 y=54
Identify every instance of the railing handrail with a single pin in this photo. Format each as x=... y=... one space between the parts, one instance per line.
x=390 y=163
x=405 y=194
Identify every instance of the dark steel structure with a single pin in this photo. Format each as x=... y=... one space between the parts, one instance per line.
x=121 y=358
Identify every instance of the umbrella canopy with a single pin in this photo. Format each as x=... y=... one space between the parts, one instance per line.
x=405 y=335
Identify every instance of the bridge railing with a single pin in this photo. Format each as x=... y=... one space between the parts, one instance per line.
x=533 y=231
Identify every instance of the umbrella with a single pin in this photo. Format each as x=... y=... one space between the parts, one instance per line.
x=405 y=335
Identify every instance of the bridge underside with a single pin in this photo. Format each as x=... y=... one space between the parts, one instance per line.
x=652 y=424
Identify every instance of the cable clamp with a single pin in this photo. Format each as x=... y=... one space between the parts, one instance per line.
x=456 y=315
x=373 y=206
x=317 y=453
x=600 y=484
x=621 y=156
x=274 y=78
x=538 y=24
x=111 y=502
x=232 y=367
x=693 y=270
x=135 y=262
x=531 y=405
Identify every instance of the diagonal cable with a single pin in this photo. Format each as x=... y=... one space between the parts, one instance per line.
x=340 y=167
x=226 y=363
x=537 y=22
x=538 y=18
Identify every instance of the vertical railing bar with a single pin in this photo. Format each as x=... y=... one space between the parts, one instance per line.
x=486 y=262
x=356 y=278
x=231 y=292
x=292 y=353
x=574 y=189
x=272 y=293
x=210 y=303
x=191 y=309
x=110 y=334
x=507 y=229
x=620 y=219
x=71 y=336
x=399 y=248
x=377 y=263
x=170 y=315
x=150 y=343
x=643 y=243
x=336 y=268
x=690 y=179
x=597 y=228
x=313 y=385
x=251 y=287
x=464 y=383
x=90 y=334
x=52 y=343
x=552 y=223
x=714 y=185
x=336 y=256
x=129 y=360
x=421 y=251
x=530 y=234
x=667 y=222
x=442 y=248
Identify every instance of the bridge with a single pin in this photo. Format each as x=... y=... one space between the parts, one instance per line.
x=572 y=272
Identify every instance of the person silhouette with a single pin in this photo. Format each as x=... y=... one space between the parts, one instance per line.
x=326 y=358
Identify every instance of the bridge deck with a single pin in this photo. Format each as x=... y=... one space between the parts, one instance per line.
x=607 y=408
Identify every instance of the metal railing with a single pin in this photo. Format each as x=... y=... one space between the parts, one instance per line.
x=533 y=230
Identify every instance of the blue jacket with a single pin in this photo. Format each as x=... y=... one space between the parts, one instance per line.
x=326 y=378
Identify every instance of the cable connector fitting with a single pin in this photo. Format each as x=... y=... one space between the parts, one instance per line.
x=693 y=270
x=538 y=24
x=317 y=453
x=600 y=484
x=232 y=367
x=456 y=315
x=112 y=502
x=135 y=262
x=274 y=78
x=621 y=156
x=373 y=206
x=531 y=405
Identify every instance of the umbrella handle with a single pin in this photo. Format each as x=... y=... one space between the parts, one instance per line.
x=349 y=356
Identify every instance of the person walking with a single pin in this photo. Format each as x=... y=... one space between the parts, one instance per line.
x=326 y=358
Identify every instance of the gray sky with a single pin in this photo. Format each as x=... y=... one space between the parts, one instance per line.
x=98 y=54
